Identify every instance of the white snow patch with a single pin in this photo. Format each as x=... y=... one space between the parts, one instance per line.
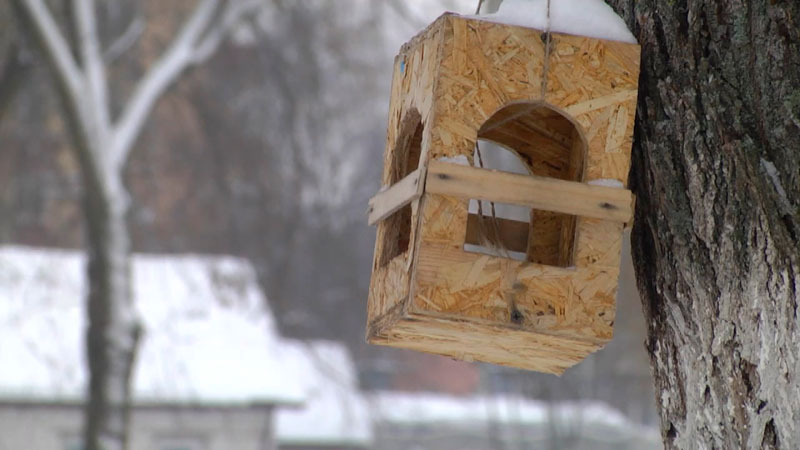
x=406 y=409
x=607 y=182
x=411 y=409
x=772 y=172
x=460 y=159
x=335 y=412
x=591 y=18
x=208 y=335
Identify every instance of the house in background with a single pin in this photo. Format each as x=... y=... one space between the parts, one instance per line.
x=211 y=368
x=336 y=415
x=213 y=373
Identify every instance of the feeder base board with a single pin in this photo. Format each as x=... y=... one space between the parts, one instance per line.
x=470 y=341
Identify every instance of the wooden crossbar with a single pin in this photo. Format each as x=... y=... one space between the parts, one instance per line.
x=548 y=194
x=385 y=203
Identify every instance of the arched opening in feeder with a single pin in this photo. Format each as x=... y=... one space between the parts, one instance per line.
x=538 y=140
x=406 y=156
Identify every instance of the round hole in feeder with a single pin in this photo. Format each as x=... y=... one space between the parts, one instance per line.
x=405 y=159
x=540 y=140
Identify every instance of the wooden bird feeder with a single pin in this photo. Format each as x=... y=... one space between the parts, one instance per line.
x=565 y=106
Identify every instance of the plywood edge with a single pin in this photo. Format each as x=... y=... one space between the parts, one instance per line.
x=472 y=341
x=377 y=327
x=499 y=326
x=426 y=32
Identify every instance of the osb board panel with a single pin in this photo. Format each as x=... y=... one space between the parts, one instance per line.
x=484 y=66
x=595 y=82
x=388 y=287
x=443 y=219
x=493 y=309
x=512 y=293
x=532 y=296
x=583 y=69
x=414 y=76
x=598 y=243
x=473 y=341
x=410 y=101
x=594 y=294
x=609 y=134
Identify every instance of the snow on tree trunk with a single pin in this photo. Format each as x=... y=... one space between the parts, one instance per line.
x=113 y=329
x=716 y=242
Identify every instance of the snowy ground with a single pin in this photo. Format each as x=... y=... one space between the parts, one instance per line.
x=208 y=337
x=211 y=339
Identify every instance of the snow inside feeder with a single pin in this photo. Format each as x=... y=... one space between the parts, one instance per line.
x=536 y=292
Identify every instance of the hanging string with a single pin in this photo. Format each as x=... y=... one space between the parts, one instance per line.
x=489 y=239
x=493 y=240
x=548 y=17
x=547 y=50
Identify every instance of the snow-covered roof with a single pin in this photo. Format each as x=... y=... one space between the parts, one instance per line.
x=208 y=335
x=591 y=18
x=335 y=412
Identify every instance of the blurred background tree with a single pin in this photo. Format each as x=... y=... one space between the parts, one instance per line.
x=103 y=128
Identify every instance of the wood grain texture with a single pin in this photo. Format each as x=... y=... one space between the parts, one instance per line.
x=548 y=194
x=470 y=79
x=385 y=203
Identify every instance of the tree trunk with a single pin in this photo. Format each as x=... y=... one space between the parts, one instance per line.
x=113 y=329
x=102 y=147
x=716 y=239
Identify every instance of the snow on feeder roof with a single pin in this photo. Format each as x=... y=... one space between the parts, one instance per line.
x=535 y=294
x=590 y=18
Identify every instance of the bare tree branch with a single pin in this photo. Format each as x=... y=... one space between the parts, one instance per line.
x=232 y=15
x=125 y=41
x=66 y=71
x=166 y=70
x=94 y=68
x=69 y=80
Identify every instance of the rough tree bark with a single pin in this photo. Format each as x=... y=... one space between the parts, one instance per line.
x=716 y=242
x=102 y=145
